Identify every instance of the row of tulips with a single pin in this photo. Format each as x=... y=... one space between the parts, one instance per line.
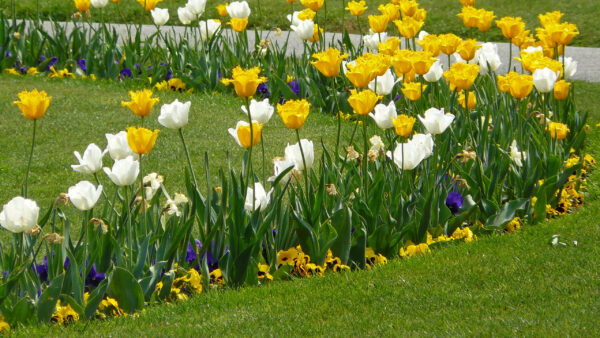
x=441 y=155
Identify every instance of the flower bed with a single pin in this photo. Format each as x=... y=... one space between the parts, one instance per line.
x=489 y=153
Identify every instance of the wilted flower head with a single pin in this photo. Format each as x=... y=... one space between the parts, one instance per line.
x=152 y=182
x=516 y=155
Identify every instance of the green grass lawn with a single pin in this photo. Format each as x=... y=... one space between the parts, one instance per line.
x=441 y=14
x=83 y=111
x=515 y=284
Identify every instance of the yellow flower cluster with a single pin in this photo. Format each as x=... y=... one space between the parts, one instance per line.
x=64 y=314
x=301 y=265
x=183 y=286
x=513 y=225
x=373 y=258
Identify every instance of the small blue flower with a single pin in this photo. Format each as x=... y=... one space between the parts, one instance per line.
x=126 y=72
x=454 y=201
x=94 y=278
x=82 y=64
x=295 y=86
x=52 y=62
x=263 y=90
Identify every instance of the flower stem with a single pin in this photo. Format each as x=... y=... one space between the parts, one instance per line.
x=365 y=159
x=30 y=158
x=303 y=162
x=187 y=155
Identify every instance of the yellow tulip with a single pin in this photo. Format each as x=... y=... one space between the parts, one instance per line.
x=328 y=62
x=550 y=18
x=33 y=104
x=521 y=86
x=562 y=33
x=392 y=11
x=237 y=24
x=390 y=46
x=141 y=102
x=558 y=130
x=141 y=140
x=421 y=62
x=511 y=26
x=356 y=8
x=317 y=32
x=470 y=16
x=149 y=4
x=467 y=49
x=307 y=14
x=363 y=102
x=449 y=43
x=408 y=7
x=413 y=90
x=485 y=20
x=431 y=44
x=468 y=3
x=561 y=89
x=419 y=15
x=472 y=100
x=82 y=5
x=222 y=9
x=315 y=5
x=245 y=82
x=378 y=23
x=379 y=63
x=504 y=81
x=524 y=39
x=402 y=62
x=408 y=27
x=294 y=113
x=403 y=124
x=461 y=75
x=243 y=134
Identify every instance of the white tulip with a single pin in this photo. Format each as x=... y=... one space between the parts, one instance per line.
x=435 y=121
x=118 y=147
x=208 y=28
x=19 y=215
x=294 y=155
x=152 y=182
x=186 y=16
x=305 y=30
x=280 y=166
x=372 y=40
x=196 y=6
x=160 y=16
x=84 y=195
x=385 y=83
x=238 y=9
x=532 y=49
x=99 y=3
x=376 y=143
x=384 y=114
x=257 y=198
x=124 y=172
x=544 y=79
x=570 y=66
x=435 y=72
x=422 y=35
x=174 y=115
x=260 y=111
x=293 y=18
x=487 y=55
x=406 y=156
x=424 y=143
x=91 y=162
x=516 y=155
